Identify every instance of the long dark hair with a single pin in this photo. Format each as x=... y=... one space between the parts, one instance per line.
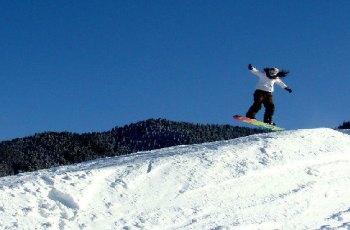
x=281 y=74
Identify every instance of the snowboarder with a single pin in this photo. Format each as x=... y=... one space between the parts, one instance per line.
x=264 y=89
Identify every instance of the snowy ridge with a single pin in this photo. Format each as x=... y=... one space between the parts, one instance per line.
x=290 y=180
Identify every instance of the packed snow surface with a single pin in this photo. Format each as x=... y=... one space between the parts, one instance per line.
x=285 y=180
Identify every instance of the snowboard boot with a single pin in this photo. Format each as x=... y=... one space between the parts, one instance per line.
x=251 y=117
x=271 y=123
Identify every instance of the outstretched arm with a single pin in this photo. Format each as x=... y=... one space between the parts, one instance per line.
x=283 y=85
x=255 y=71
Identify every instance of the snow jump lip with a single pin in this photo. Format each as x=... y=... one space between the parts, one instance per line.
x=264 y=181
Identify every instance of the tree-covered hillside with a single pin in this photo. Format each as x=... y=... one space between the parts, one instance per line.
x=50 y=149
x=345 y=125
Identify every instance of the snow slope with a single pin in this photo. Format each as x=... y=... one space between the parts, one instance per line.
x=286 y=180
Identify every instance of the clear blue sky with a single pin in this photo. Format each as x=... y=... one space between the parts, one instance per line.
x=92 y=65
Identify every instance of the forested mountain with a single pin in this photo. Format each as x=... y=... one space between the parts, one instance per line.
x=345 y=125
x=49 y=149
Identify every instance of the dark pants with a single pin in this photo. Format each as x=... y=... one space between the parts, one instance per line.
x=265 y=98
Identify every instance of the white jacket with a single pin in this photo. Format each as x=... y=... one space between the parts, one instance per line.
x=265 y=83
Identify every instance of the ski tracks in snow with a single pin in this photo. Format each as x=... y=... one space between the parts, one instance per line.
x=288 y=180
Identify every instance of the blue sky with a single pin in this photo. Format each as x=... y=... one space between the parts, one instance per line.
x=92 y=65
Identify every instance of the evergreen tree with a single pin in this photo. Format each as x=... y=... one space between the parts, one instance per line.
x=345 y=125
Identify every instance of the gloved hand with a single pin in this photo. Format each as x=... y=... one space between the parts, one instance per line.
x=288 y=89
x=250 y=67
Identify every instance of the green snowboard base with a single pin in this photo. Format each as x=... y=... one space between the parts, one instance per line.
x=257 y=123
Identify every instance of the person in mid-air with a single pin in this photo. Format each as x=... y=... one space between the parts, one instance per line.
x=264 y=89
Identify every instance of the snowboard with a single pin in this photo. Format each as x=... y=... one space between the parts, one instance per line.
x=257 y=123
